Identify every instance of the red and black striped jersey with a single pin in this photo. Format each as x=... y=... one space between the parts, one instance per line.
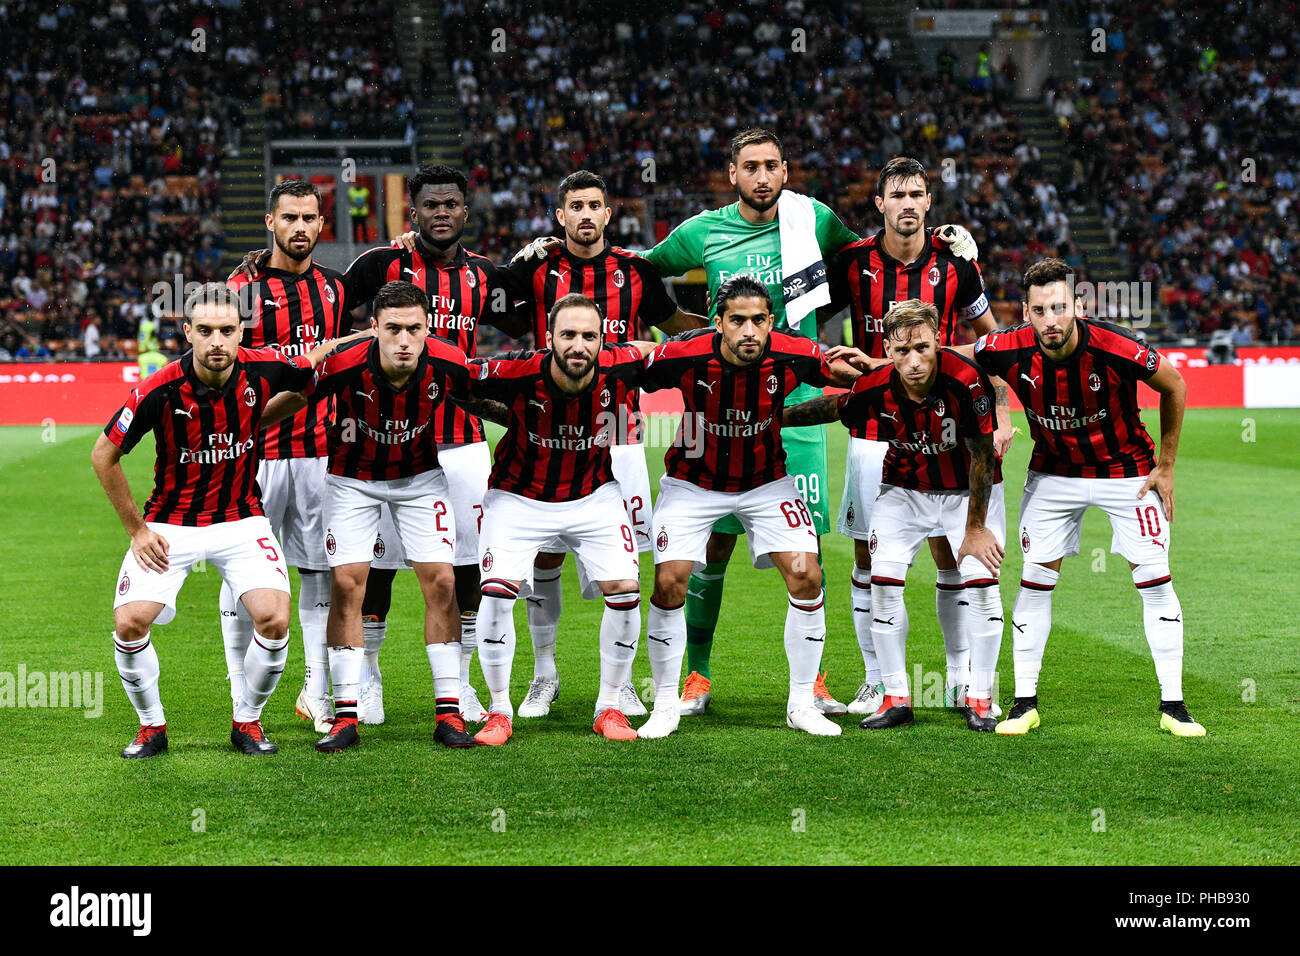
x=927 y=439
x=626 y=288
x=293 y=314
x=556 y=445
x=205 y=438
x=730 y=435
x=384 y=432
x=1083 y=412
x=468 y=290
x=869 y=281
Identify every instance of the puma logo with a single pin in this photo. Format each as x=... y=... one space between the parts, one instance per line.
x=889 y=623
x=414 y=274
x=871 y=275
x=815 y=640
x=368 y=396
x=187 y=412
x=892 y=418
x=1138 y=354
x=695 y=594
x=707 y=385
x=998 y=619
x=499 y=640
x=536 y=601
x=630 y=647
x=537 y=404
x=1018 y=627
x=273 y=303
x=1160 y=544
x=556 y=274
x=864 y=610
x=1032 y=381
x=963 y=603
x=661 y=640
x=1173 y=620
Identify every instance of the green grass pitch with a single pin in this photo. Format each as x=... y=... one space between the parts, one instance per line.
x=1097 y=784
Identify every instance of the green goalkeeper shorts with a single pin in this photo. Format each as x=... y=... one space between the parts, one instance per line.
x=806 y=463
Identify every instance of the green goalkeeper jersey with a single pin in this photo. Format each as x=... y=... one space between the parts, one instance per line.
x=724 y=244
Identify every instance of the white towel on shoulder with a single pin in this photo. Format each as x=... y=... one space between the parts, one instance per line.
x=803 y=273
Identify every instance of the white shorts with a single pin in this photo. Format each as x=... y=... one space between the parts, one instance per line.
x=422 y=516
x=864 y=464
x=245 y=553
x=774 y=517
x=633 y=477
x=594 y=527
x=293 y=490
x=1051 y=517
x=903 y=519
x=466 y=467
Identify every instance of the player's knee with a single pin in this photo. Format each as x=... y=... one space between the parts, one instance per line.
x=804 y=582
x=670 y=585
x=619 y=587
x=719 y=548
x=273 y=626
x=1148 y=576
x=130 y=626
x=439 y=585
x=862 y=555
x=348 y=584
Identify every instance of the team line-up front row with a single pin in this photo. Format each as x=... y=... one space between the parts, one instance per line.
x=924 y=413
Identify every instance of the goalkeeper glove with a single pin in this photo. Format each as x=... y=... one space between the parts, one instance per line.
x=959 y=240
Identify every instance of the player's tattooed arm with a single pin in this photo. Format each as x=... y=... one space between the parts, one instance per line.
x=1169 y=382
x=484 y=408
x=1005 y=433
x=149 y=547
x=979 y=540
x=815 y=411
x=843 y=374
x=854 y=357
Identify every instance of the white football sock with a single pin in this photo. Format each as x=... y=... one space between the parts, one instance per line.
x=889 y=625
x=444 y=663
x=544 y=607
x=860 y=602
x=313 y=613
x=373 y=631
x=236 y=636
x=1163 y=617
x=805 y=639
x=666 y=647
x=137 y=665
x=1031 y=622
x=496 y=648
x=620 y=627
x=263 y=667
x=950 y=605
x=468 y=643
x=345 y=674
x=984 y=619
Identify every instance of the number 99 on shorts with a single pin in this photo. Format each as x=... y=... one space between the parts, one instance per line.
x=809 y=487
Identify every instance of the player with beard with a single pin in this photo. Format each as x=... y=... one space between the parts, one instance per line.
x=1077 y=379
x=553 y=482
x=464 y=289
x=905 y=260
x=293 y=304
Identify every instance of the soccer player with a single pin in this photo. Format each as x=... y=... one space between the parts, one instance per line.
x=465 y=289
x=627 y=290
x=295 y=304
x=933 y=410
x=204 y=410
x=553 y=481
x=905 y=260
x=729 y=460
x=385 y=451
x=745 y=238
x=1078 y=378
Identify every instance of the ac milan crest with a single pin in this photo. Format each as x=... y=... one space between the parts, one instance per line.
x=940 y=408
x=124 y=585
x=487 y=560
x=982 y=405
x=661 y=542
x=933 y=275
x=1024 y=540
x=849 y=517
x=250 y=396
x=771 y=385
x=330 y=544
x=1094 y=382
x=433 y=391
x=469 y=279
x=329 y=294
x=379 y=546
x=618 y=279
x=605 y=398
x=871 y=543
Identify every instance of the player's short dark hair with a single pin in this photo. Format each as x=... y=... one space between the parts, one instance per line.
x=293 y=187
x=399 y=294
x=439 y=175
x=753 y=137
x=901 y=167
x=1047 y=271
x=740 y=287
x=582 y=179
x=214 y=294
x=570 y=301
x=910 y=314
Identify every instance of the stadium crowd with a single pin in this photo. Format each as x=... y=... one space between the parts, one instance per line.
x=109 y=177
